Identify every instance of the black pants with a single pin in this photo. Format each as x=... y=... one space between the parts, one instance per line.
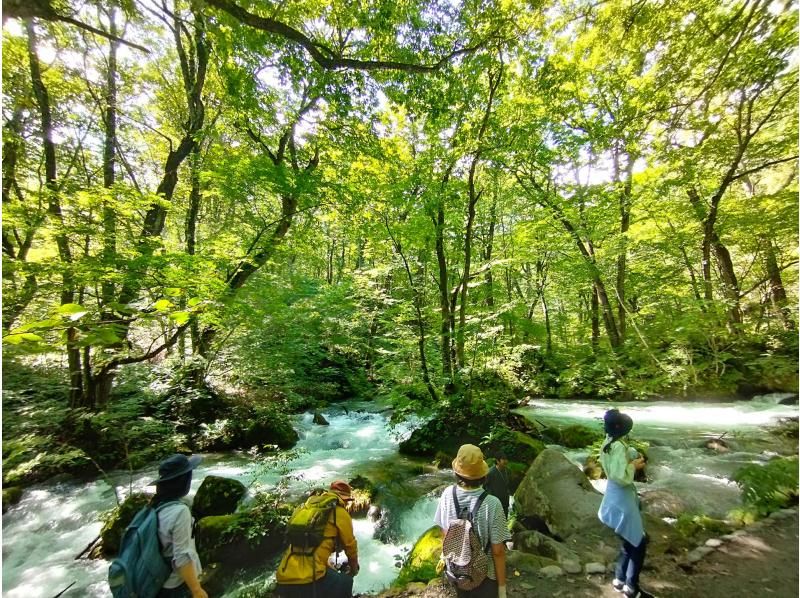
x=630 y=562
x=182 y=591
x=488 y=589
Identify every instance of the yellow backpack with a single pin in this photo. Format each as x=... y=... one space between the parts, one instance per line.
x=306 y=528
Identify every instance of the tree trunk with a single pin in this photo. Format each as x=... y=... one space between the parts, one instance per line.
x=462 y=312
x=777 y=291
x=730 y=284
x=420 y=320
x=595 y=316
x=109 y=160
x=444 y=299
x=54 y=210
x=15 y=247
x=546 y=311
x=487 y=256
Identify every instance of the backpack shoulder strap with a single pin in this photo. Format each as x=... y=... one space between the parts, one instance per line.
x=455 y=502
x=474 y=515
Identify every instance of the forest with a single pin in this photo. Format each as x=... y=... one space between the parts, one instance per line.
x=217 y=214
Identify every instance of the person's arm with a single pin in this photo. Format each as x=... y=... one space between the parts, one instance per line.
x=182 y=553
x=189 y=576
x=344 y=524
x=499 y=558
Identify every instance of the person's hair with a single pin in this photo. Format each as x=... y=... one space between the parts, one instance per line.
x=500 y=455
x=173 y=489
x=464 y=482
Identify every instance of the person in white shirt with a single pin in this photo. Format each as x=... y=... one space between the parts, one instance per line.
x=471 y=470
x=175 y=527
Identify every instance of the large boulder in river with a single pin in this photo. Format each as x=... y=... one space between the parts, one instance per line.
x=245 y=538
x=517 y=446
x=117 y=520
x=663 y=503
x=558 y=495
x=420 y=565
x=217 y=496
x=11 y=496
x=573 y=436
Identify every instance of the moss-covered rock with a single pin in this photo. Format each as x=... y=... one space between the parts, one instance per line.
x=364 y=493
x=573 y=436
x=439 y=435
x=217 y=496
x=11 y=496
x=243 y=539
x=271 y=431
x=420 y=565
x=320 y=420
x=116 y=520
x=517 y=446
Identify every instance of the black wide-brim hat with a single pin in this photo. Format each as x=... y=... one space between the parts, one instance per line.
x=175 y=466
x=617 y=424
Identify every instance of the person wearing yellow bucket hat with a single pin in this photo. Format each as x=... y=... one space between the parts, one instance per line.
x=468 y=499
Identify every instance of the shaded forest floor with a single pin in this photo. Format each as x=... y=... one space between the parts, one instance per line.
x=764 y=562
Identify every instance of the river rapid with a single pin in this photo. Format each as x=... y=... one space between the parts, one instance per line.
x=54 y=521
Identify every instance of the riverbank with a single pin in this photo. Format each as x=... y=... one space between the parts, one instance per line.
x=763 y=560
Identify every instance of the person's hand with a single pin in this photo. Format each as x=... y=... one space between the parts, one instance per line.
x=199 y=593
x=639 y=463
x=354 y=569
x=501 y=592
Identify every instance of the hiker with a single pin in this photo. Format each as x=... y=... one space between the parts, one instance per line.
x=471 y=470
x=175 y=527
x=620 y=507
x=304 y=572
x=497 y=481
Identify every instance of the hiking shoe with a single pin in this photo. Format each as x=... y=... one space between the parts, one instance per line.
x=617 y=584
x=635 y=592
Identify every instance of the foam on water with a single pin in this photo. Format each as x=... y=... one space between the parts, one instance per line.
x=43 y=534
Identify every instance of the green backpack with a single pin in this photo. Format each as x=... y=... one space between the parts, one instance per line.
x=306 y=528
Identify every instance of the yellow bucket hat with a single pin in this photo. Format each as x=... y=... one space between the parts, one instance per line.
x=469 y=463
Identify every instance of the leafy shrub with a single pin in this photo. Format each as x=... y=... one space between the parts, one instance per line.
x=769 y=487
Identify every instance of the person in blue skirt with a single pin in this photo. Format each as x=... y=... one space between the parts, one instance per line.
x=620 y=507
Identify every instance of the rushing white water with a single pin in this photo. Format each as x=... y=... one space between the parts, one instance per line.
x=678 y=461
x=56 y=520
x=44 y=533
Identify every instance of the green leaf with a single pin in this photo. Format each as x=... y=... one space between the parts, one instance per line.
x=19 y=338
x=73 y=310
x=180 y=317
x=163 y=305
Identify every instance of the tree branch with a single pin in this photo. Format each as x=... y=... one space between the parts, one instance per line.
x=315 y=49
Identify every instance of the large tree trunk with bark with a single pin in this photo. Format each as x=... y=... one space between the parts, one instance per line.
x=51 y=190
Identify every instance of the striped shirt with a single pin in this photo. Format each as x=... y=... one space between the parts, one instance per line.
x=490 y=523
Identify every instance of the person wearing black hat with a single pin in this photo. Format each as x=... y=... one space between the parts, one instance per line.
x=175 y=527
x=620 y=507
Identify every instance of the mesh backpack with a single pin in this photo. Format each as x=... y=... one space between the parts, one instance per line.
x=306 y=528
x=140 y=569
x=465 y=559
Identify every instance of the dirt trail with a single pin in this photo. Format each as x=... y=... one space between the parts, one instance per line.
x=762 y=562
